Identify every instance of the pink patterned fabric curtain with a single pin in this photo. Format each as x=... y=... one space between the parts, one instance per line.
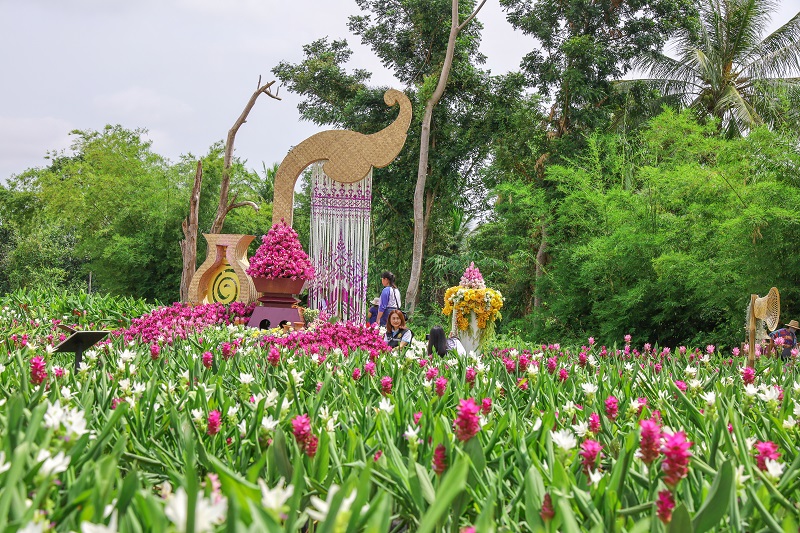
x=339 y=245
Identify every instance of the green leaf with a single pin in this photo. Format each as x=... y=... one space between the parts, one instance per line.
x=453 y=484
x=715 y=507
x=681 y=521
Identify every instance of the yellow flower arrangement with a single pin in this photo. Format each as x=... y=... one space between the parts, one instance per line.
x=484 y=302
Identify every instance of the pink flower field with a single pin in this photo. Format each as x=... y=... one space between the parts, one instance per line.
x=185 y=416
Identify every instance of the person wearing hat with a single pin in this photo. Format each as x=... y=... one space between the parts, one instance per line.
x=786 y=338
x=372 y=312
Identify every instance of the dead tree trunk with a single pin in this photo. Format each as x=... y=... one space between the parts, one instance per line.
x=412 y=293
x=224 y=207
x=189 y=242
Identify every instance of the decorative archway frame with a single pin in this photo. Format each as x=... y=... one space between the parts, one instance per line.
x=348 y=155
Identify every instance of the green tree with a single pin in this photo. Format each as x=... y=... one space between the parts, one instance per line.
x=726 y=70
x=585 y=45
x=410 y=38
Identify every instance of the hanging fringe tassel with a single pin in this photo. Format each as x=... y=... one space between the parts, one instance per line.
x=339 y=245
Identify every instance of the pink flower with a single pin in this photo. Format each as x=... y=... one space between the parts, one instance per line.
x=664 y=506
x=214 y=422
x=467 y=424
x=563 y=375
x=356 y=374
x=472 y=278
x=274 y=356
x=440 y=460
x=548 y=512
x=612 y=407
x=552 y=364
x=594 y=423
x=58 y=371
x=710 y=349
x=417 y=417
x=208 y=359
x=281 y=256
x=369 y=368
x=441 y=386
x=431 y=374
x=681 y=385
x=38 y=370
x=301 y=429
x=386 y=385
x=486 y=406
x=155 y=349
x=115 y=403
x=228 y=350
x=627 y=339
x=651 y=440
x=522 y=383
x=311 y=446
x=676 y=458
x=748 y=375
x=470 y=375
x=377 y=455
x=735 y=351
x=766 y=450
x=590 y=452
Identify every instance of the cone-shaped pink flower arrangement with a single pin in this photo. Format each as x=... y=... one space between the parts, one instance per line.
x=676 y=457
x=281 y=256
x=472 y=278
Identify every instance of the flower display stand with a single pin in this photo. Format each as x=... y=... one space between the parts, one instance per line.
x=473 y=309
x=277 y=301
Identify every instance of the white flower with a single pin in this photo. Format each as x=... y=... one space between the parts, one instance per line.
x=789 y=423
x=285 y=405
x=126 y=356
x=3 y=464
x=564 y=439
x=233 y=410
x=276 y=497
x=581 y=428
x=272 y=399
x=386 y=406
x=709 y=397
x=750 y=390
x=628 y=367
x=690 y=371
x=412 y=433
x=595 y=476
x=207 y=512
x=694 y=384
x=269 y=423
x=83 y=368
x=592 y=360
x=33 y=527
x=138 y=388
x=242 y=427
x=2 y=368
x=705 y=358
x=197 y=414
x=87 y=527
x=52 y=465
x=796 y=409
x=125 y=385
x=427 y=384
x=246 y=379
x=319 y=509
x=796 y=387
x=769 y=394
x=774 y=469
x=537 y=424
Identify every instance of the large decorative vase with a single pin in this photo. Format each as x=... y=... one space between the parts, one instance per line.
x=277 y=302
x=471 y=338
x=222 y=278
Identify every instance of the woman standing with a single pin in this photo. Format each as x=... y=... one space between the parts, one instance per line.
x=390 y=298
x=440 y=344
x=397 y=335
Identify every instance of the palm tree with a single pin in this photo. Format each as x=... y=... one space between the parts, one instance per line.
x=725 y=70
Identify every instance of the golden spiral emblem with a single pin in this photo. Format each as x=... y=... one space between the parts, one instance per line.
x=225 y=286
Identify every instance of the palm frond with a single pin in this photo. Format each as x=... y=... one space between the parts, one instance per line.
x=778 y=54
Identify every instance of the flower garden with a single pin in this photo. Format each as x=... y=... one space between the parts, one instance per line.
x=185 y=420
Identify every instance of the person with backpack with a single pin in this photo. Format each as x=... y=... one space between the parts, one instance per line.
x=390 y=298
x=397 y=334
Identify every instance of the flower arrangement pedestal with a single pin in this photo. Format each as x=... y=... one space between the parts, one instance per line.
x=277 y=301
x=471 y=337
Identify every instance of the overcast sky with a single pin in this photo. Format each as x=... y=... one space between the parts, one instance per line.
x=183 y=69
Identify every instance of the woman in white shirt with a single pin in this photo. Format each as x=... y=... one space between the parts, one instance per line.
x=397 y=335
x=437 y=342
